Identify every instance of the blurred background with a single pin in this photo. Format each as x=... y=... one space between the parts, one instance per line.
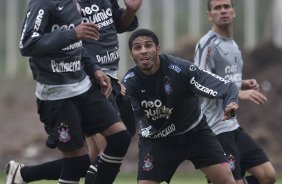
x=179 y=24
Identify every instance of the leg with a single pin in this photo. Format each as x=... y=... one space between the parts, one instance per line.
x=75 y=164
x=96 y=144
x=254 y=160
x=105 y=167
x=219 y=174
x=264 y=173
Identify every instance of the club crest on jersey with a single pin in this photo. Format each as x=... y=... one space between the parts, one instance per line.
x=63 y=131
x=167 y=86
x=148 y=163
x=231 y=162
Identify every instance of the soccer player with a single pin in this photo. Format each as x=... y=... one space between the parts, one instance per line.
x=163 y=91
x=218 y=53
x=69 y=104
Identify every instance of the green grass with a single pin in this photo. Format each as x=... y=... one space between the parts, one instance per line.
x=189 y=178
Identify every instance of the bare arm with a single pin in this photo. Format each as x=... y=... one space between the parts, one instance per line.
x=132 y=7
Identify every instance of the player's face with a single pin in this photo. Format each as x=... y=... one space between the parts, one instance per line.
x=222 y=13
x=145 y=53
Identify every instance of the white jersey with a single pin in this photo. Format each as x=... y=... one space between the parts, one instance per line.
x=221 y=56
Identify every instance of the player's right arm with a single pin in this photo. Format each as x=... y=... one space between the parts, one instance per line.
x=35 y=39
x=41 y=37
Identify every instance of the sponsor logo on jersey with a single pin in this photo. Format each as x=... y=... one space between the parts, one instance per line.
x=165 y=132
x=127 y=76
x=62 y=66
x=23 y=32
x=232 y=74
x=203 y=88
x=38 y=22
x=108 y=58
x=74 y=46
x=100 y=17
x=175 y=68
x=67 y=27
x=63 y=131
x=155 y=110
x=216 y=76
x=148 y=163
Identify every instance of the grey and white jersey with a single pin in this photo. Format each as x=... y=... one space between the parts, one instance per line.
x=221 y=56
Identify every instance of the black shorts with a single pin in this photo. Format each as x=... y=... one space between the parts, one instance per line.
x=67 y=121
x=123 y=105
x=242 y=151
x=159 y=158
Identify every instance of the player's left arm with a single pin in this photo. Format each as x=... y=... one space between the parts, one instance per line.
x=210 y=85
x=125 y=19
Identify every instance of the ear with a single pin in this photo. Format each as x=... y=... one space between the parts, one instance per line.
x=234 y=14
x=158 y=50
x=130 y=55
x=209 y=16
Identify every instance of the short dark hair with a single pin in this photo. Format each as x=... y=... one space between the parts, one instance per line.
x=209 y=4
x=142 y=32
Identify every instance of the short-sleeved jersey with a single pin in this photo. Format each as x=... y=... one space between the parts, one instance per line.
x=220 y=56
x=106 y=14
x=166 y=103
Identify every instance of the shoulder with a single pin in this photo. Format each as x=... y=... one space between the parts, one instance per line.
x=175 y=63
x=210 y=39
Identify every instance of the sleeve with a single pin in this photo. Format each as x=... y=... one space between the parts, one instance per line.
x=91 y=65
x=204 y=56
x=35 y=40
x=131 y=92
x=117 y=16
x=210 y=85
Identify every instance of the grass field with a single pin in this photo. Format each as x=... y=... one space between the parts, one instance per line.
x=195 y=178
x=189 y=178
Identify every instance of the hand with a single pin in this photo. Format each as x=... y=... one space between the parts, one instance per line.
x=230 y=110
x=132 y=5
x=104 y=81
x=87 y=31
x=122 y=89
x=250 y=84
x=252 y=95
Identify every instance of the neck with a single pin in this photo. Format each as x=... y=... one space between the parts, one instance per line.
x=225 y=31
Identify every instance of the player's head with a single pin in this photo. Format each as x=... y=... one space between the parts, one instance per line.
x=144 y=50
x=221 y=12
x=209 y=4
x=142 y=32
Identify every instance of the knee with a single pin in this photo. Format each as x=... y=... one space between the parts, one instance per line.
x=268 y=178
x=119 y=142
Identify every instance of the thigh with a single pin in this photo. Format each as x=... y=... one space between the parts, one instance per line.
x=157 y=161
x=251 y=153
x=63 y=123
x=205 y=149
x=97 y=112
x=218 y=173
x=229 y=145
